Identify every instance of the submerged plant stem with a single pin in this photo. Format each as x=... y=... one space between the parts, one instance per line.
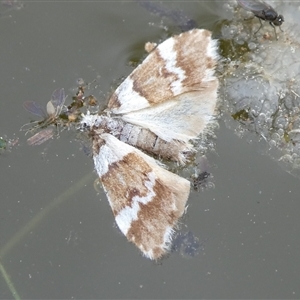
x=9 y=283
x=18 y=236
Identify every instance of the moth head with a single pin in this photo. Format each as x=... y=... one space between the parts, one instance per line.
x=88 y=121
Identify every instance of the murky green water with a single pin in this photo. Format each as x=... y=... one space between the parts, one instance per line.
x=57 y=240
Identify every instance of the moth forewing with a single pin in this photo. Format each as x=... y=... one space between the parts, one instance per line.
x=172 y=93
x=146 y=199
x=180 y=64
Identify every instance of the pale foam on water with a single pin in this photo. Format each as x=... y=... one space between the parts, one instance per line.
x=261 y=85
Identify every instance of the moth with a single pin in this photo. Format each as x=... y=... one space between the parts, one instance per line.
x=159 y=109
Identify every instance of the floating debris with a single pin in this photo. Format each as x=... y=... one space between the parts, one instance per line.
x=52 y=116
x=80 y=100
x=57 y=116
x=41 y=137
x=260 y=86
x=3 y=143
x=7 y=144
x=200 y=179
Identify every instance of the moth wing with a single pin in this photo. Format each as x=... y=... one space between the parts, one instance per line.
x=146 y=199
x=180 y=64
x=182 y=118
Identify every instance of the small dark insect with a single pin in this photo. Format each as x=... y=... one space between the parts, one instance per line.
x=199 y=179
x=263 y=11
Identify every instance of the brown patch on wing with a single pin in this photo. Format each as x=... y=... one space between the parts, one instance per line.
x=98 y=142
x=124 y=180
x=193 y=58
x=153 y=81
x=113 y=101
x=148 y=231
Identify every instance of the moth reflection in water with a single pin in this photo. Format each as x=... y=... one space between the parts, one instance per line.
x=52 y=116
x=187 y=244
x=8 y=5
x=263 y=11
